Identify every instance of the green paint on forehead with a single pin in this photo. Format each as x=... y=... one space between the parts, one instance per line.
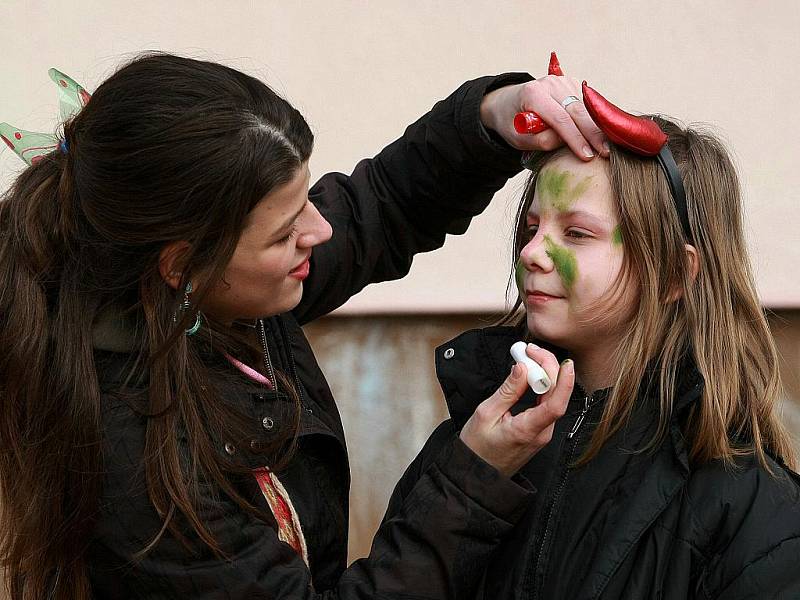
x=616 y=236
x=519 y=276
x=564 y=261
x=560 y=189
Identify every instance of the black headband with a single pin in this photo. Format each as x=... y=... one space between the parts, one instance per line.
x=670 y=168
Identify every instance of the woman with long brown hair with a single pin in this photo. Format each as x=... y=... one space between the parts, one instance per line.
x=670 y=474
x=165 y=428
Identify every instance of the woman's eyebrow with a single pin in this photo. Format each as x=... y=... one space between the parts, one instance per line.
x=288 y=222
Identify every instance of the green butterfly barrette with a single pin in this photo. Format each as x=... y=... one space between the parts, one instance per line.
x=31 y=146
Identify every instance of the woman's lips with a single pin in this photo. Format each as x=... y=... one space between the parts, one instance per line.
x=301 y=271
x=540 y=297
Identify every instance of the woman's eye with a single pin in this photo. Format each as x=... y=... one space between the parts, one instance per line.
x=289 y=236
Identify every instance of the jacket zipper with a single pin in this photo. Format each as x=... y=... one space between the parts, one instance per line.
x=267 y=360
x=292 y=365
x=588 y=402
x=581 y=417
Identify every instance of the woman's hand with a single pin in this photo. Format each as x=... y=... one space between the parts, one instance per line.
x=571 y=126
x=506 y=441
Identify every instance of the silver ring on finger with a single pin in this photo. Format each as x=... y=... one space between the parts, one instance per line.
x=569 y=100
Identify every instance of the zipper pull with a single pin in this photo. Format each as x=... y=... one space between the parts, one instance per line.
x=581 y=417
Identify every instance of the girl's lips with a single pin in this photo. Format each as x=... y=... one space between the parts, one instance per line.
x=301 y=271
x=540 y=298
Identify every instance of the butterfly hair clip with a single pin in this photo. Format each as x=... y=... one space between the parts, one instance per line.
x=31 y=146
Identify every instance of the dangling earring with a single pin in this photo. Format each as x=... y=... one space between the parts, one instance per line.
x=186 y=305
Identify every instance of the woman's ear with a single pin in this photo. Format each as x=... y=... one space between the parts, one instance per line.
x=170 y=262
x=694 y=267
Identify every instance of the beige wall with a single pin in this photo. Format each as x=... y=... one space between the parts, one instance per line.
x=360 y=71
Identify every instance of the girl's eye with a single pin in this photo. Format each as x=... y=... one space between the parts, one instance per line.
x=578 y=235
x=530 y=232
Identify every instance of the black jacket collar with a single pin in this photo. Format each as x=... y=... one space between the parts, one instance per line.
x=471 y=366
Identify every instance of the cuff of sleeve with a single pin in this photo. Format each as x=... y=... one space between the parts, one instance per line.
x=506 y=498
x=482 y=144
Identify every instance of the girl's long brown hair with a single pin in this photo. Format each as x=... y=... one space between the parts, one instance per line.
x=168 y=149
x=716 y=320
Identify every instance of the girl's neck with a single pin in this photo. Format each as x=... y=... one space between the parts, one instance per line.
x=593 y=368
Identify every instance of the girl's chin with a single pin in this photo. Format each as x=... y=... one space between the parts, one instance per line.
x=540 y=331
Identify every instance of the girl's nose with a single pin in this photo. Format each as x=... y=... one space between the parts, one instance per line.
x=534 y=256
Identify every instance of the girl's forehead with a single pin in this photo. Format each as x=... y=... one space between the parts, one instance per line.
x=567 y=184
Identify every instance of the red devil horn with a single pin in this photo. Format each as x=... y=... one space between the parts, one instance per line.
x=554 y=68
x=637 y=134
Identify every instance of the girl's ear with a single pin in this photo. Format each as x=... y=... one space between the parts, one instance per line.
x=170 y=264
x=694 y=260
x=694 y=266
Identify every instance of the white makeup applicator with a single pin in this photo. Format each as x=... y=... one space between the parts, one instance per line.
x=537 y=378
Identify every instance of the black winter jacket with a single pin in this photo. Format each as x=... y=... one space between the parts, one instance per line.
x=443 y=171
x=626 y=525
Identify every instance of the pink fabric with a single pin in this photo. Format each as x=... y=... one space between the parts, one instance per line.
x=249 y=371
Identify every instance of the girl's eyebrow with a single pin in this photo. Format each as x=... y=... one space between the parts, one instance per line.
x=582 y=214
x=569 y=214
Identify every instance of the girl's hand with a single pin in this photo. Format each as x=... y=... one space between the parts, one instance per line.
x=571 y=126
x=505 y=441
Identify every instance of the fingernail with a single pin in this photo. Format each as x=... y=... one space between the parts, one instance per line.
x=587 y=152
x=567 y=364
x=533 y=347
x=515 y=371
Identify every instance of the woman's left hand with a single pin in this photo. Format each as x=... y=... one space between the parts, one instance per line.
x=571 y=125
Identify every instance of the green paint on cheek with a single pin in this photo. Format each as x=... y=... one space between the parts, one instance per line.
x=556 y=188
x=616 y=236
x=519 y=275
x=564 y=261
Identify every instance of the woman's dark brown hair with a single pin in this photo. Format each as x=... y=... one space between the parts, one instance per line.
x=168 y=149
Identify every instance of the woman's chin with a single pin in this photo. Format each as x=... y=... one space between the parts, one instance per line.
x=291 y=300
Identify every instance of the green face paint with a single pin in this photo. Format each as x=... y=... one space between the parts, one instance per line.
x=616 y=236
x=564 y=261
x=556 y=188
x=519 y=276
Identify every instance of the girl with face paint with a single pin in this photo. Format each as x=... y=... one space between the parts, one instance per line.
x=567 y=267
x=669 y=476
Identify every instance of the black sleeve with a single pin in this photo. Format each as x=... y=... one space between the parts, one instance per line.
x=771 y=574
x=445 y=434
x=432 y=181
x=754 y=520
x=449 y=521
x=440 y=437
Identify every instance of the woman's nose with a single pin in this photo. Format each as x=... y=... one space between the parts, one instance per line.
x=317 y=229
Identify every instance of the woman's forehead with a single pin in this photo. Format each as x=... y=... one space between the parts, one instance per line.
x=278 y=207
